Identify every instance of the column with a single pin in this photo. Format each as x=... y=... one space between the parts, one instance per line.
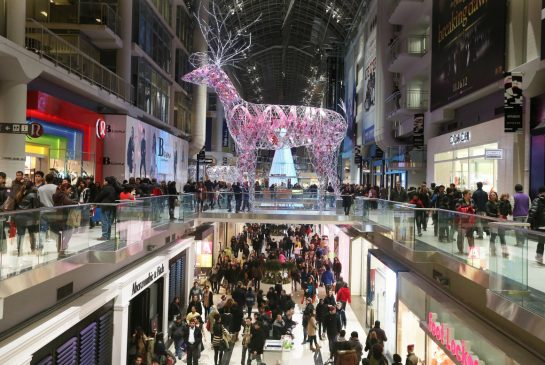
x=121 y=333
x=166 y=302
x=13 y=97
x=199 y=96
x=123 y=61
x=16 y=18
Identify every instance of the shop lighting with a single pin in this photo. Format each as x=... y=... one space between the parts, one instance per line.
x=44 y=13
x=98 y=20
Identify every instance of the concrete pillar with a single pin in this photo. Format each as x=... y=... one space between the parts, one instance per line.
x=121 y=333
x=166 y=302
x=217 y=130
x=13 y=98
x=198 y=130
x=16 y=18
x=123 y=61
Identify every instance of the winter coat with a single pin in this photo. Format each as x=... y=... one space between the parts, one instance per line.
x=536 y=215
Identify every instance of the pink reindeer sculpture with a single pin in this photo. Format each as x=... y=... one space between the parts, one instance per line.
x=264 y=126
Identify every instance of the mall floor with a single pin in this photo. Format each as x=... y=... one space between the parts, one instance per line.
x=301 y=354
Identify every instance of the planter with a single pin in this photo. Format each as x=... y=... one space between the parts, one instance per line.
x=265 y=287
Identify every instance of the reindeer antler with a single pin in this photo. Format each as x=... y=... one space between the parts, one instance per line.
x=225 y=45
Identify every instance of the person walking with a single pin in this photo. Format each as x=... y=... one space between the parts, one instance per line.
x=480 y=197
x=107 y=196
x=312 y=327
x=250 y=300
x=193 y=338
x=219 y=335
x=257 y=342
x=493 y=210
x=356 y=345
x=26 y=198
x=536 y=218
x=520 y=211
x=379 y=334
x=321 y=311
x=412 y=359
x=246 y=336
x=466 y=221
x=333 y=326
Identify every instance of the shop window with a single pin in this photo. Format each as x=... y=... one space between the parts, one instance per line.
x=443 y=156
x=461 y=153
x=480 y=150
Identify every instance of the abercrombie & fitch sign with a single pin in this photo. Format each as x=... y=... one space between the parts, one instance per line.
x=458 y=348
x=137 y=286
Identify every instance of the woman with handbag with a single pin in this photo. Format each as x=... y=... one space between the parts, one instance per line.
x=220 y=340
x=65 y=219
x=466 y=222
x=26 y=198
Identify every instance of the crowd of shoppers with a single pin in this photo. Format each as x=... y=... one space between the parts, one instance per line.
x=24 y=196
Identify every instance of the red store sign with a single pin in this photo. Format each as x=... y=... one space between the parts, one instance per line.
x=100 y=128
x=458 y=348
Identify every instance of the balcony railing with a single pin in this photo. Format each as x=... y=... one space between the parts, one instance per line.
x=505 y=254
x=42 y=41
x=99 y=13
x=409 y=100
x=403 y=157
x=34 y=237
x=414 y=45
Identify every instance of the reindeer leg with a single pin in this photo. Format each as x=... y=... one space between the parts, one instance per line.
x=321 y=169
x=246 y=164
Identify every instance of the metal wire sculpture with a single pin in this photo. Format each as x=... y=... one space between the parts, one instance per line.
x=263 y=126
x=227 y=174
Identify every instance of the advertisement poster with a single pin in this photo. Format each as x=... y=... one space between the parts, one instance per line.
x=136 y=149
x=154 y=153
x=543 y=29
x=418 y=131
x=513 y=101
x=468 y=47
x=350 y=106
x=369 y=86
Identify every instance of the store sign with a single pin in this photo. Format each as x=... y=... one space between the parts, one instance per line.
x=513 y=101
x=100 y=128
x=462 y=137
x=493 y=154
x=418 y=131
x=34 y=130
x=458 y=348
x=138 y=286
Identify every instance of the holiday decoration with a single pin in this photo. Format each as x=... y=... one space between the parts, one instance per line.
x=263 y=126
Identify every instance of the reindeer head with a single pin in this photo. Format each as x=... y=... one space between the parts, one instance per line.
x=226 y=45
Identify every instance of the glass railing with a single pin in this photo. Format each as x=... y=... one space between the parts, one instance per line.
x=505 y=251
x=42 y=41
x=416 y=45
x=30 y=238
x=310 y=202
x=410 y=100
x=99 y=13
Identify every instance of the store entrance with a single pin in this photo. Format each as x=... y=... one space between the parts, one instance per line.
x=37 y=159
x=145 y=310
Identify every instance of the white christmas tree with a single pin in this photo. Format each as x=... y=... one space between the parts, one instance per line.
x=283 y=168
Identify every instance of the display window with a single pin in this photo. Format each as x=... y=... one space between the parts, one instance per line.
x=436 y=356
x=467 y=166
x=409 y=331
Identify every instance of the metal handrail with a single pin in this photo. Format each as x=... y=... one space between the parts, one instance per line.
x=39 y=39
x=108 y=15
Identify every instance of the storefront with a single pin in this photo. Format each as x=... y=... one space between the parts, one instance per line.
x=135 y=149
x=382 y=286
x=482 y=153
x=445 y=334
x=71 y=144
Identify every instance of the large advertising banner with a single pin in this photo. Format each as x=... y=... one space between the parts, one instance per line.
x=468 y=47
x=136 y=149
x=543 y=29
x=513 y=101
x=369 y=85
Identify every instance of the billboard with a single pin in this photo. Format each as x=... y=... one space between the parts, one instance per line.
x=136 y=149
x=468 y=47
x=369 y=84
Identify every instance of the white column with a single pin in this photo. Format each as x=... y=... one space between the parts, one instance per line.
x=16 y=18
x=121 y=333
x=123 y=61
x=13 y=97
x=166 y=302
x=199 y=96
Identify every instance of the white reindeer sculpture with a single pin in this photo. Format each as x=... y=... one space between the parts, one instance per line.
x=264 y=126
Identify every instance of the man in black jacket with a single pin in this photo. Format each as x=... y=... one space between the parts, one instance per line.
x=193 y=338
x=108 y=196
x=257 y=342
x=332 y=324
x=480 y=198
x=536 y=218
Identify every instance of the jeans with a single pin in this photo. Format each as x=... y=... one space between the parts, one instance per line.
x=520 y=235
x=218 y=354
x=256 y=357
x=479 y=224
x=193 y=353
x=245 y=352
x=421 y=220
x=246 y=205
x=107 y=220
x=540 y=244
x=312 y=339
x=178 y=348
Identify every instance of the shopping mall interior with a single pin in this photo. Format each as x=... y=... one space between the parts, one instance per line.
x=278 y=182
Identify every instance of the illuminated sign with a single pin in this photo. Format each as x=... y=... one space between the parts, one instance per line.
x=100 y=128
x=459 y=349
x=462 y=137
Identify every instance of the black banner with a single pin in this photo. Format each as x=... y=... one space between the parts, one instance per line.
x=418 y=131
x=513 y=101
x=543 y=29
x=468 y=47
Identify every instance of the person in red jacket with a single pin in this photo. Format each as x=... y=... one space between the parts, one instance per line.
x=343 y=296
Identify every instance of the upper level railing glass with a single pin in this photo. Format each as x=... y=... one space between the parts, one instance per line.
x=506 y=249
x=30 y=238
